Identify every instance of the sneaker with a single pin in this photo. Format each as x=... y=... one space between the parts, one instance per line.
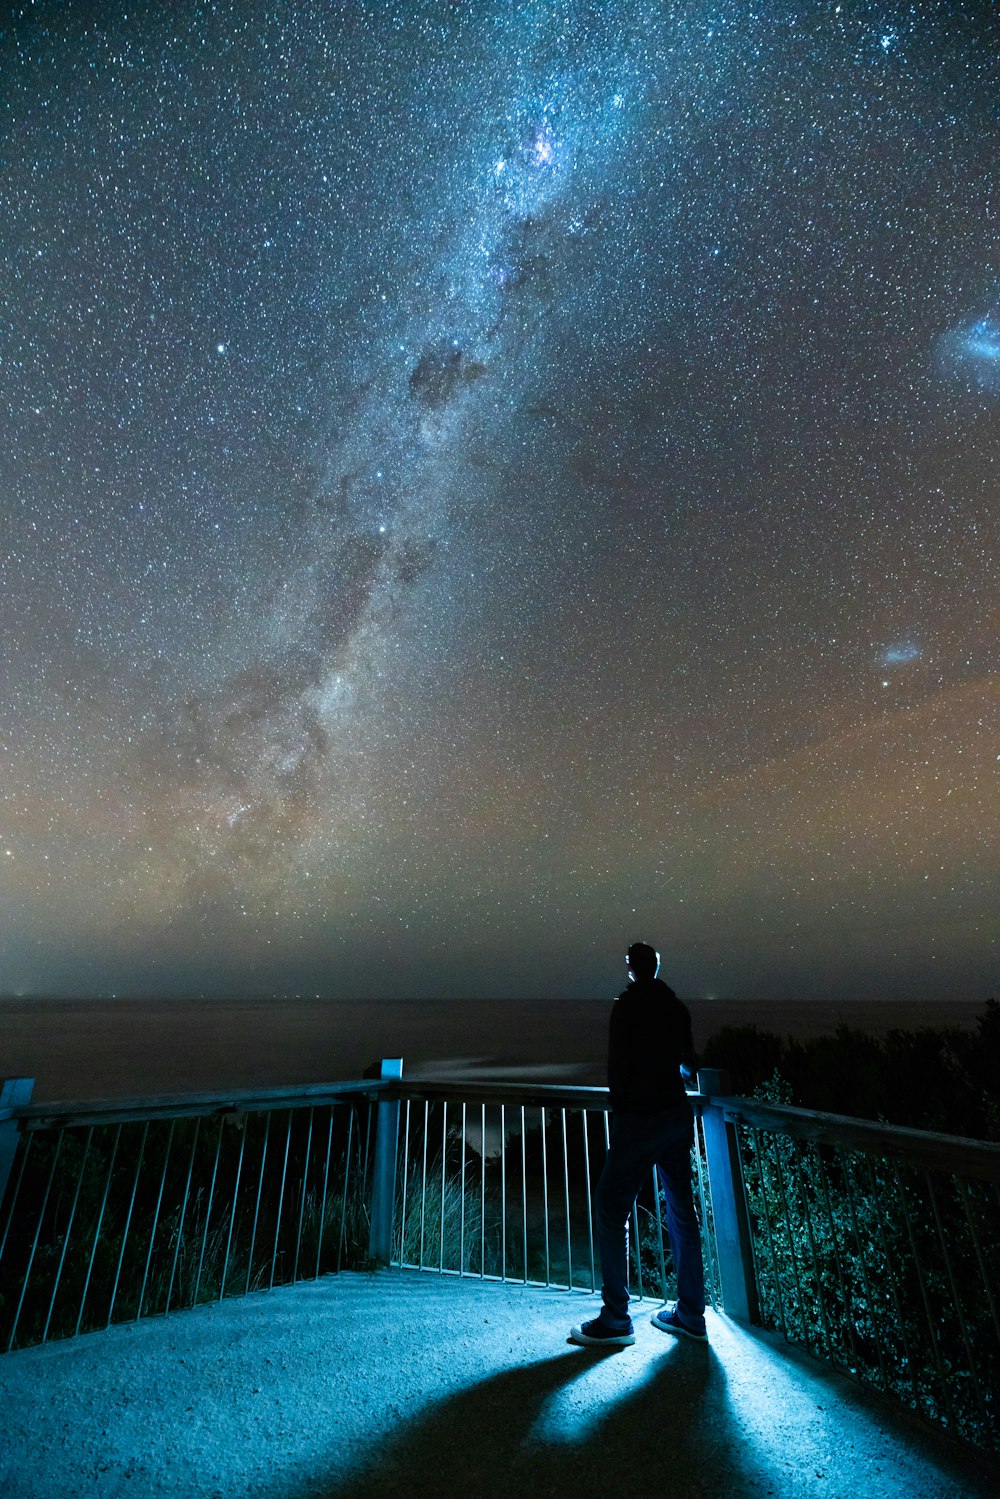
x=598 y=1334
x=667 y=1320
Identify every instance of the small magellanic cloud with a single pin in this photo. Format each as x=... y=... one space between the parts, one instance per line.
x=899 y=655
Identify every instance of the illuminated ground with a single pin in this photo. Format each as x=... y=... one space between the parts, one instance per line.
x=402 y=1384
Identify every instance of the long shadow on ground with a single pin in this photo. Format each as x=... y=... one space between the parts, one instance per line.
x=527 y=1431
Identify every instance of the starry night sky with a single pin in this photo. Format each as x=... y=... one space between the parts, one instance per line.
x=482 y=482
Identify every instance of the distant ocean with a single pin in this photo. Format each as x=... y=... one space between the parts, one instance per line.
x=99 y=1048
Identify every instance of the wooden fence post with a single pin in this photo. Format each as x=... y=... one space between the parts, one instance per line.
x=384 y=1169
x=729 y=1203
x=15 y=1093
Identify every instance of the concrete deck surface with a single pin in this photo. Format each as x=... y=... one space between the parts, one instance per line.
x=398 y=1384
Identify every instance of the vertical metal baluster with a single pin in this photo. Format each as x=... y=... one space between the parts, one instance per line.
x=444 y=1156
x=801 y=1183
x=789 y=1237
x=634 y=1235
x=962 y=1324
x=980 y=1257
x=590 y=1204
x=706 y=1225
x=817 y=1275
x=406 y=1165
x=232 y=1213
x=607 y=1152
x=708 y=1247
x=461 y=1220
x=839 y=1261
x=524 y=1198
x=545 y=1196
x=97 y=1230
x=281 y=1201
x=865 y=1278
x=367 y=1156
x=503 y=1193
x=302 y=1197
x=659 y=1234
x=347 y=1177
x=423 y=1180
x=326 y=1183
x=890 y=1273
x=944 y=1383
x=770 y=1233
x=128 y=1220
x=69 y=1230
x=638 y=1248
x=156 y=1219
x=569 y=1240
x=482 y=1195
x=17 y=1189
x=208 y=1211
x=34 y=1242
x=256 y=1211
x=180 y=1225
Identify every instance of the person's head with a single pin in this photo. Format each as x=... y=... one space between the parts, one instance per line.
x=643 y=961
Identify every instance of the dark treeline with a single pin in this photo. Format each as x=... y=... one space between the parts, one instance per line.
x=943 y=1078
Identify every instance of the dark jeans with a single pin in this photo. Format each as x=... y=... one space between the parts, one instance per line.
x=638 y=1142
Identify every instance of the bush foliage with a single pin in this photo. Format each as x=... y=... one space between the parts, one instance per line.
x=945 y=1079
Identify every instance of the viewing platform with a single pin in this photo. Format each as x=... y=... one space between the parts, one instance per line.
x=366 y=1288
x=402 y=1383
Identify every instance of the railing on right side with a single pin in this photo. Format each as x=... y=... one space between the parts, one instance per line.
x=878 y=1249
x=874 y=1248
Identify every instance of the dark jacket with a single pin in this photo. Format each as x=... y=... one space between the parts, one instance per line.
x=648 y=1040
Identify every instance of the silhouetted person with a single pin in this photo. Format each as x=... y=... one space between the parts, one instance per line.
x=650 y=1054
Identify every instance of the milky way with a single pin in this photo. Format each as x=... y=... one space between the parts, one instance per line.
x=486 y=482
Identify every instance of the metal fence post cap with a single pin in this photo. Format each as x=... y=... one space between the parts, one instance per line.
x=713 y=1082
x=392 y=1067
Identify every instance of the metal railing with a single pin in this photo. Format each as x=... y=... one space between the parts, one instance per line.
x=126 y=1210
x=878 y=1249
x=497 y=1182
x=874 y=1248
x=129 y=1209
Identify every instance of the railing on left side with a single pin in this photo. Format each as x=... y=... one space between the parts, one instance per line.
x=127 y=1209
